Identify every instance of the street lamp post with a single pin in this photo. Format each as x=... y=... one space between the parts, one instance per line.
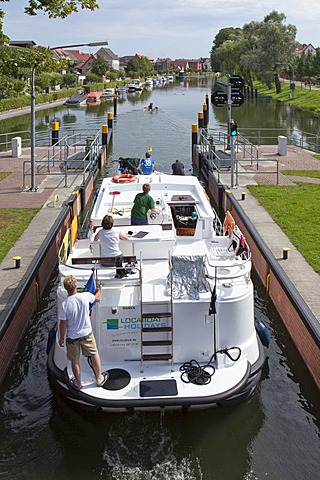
x=33 y=187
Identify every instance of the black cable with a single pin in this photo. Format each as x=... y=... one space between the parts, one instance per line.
x=90 y=364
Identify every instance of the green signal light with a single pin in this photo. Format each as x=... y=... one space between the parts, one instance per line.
x=233 y=129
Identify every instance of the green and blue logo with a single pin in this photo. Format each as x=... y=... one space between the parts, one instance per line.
x=112 y=323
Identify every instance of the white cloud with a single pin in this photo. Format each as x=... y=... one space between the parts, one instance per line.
x=171 y=28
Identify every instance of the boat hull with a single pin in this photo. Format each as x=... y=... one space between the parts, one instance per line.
x=86 y=400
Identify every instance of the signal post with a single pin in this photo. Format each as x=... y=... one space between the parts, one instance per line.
x=233 y=97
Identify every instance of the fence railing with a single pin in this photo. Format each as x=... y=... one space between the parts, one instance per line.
x=71 y=156
x=215 y=151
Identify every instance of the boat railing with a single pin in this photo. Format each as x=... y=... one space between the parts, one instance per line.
x=243 y=261
x=217 y=226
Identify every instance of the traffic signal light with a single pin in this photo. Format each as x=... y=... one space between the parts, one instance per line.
x=233 y=129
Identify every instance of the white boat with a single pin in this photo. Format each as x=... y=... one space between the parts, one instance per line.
x=108 y=93
x=178 y=331
x=135 y=85
x=149 y=83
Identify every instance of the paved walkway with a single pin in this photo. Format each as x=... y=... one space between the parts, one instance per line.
x=49 y=197
x=12 y=195
x=305 y=279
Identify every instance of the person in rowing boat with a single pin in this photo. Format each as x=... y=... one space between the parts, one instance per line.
x=178 y=168
x=151 y=107
x=147 y=164
x=143 y=203
x=75 y=322
x=109 y=239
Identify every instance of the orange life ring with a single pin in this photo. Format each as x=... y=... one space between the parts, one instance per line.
x=124 y=178
x=228 y=224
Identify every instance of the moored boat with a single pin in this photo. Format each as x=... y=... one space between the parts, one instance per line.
x=178 y=330
x=93 y=98
x=108 y=93
x=135 y=85
x=77 y=100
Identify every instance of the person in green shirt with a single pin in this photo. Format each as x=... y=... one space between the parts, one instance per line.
x=142 y=203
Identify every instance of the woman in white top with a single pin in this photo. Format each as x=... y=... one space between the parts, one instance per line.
x=110 y=242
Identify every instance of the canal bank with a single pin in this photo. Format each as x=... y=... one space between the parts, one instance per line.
x=292 y=285
x=28 y=266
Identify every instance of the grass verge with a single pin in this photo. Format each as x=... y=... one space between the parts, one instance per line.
x=295 y=209
x=302 y=173
x=302 y=97
x=3 y=175
x=13 y=223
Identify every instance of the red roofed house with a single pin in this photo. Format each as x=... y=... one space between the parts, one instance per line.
x=304 y=49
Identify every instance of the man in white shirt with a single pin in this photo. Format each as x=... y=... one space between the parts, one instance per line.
x=75 y=323
x=109 y=239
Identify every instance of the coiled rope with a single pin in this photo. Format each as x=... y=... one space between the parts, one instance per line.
x=193 y=372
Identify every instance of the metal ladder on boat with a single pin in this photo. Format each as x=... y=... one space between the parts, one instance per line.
x=153 y=337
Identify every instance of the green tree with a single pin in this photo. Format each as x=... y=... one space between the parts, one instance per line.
x=17 y=63
x=92 y=77
x=258 y=50
x=222 y=36
x=139 y=67
x=58 y=8
x=69 y=80
x=275 y=48
x=100 y=66
x=227 y=56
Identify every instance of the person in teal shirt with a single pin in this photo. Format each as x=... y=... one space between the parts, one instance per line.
x=142 y=203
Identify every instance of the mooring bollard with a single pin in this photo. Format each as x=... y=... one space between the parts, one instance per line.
x=205 y=115
x=110 y=120
x=105 y=129
x=17 y=259
x=200 y=120
x=55 y=132
x=285 y=253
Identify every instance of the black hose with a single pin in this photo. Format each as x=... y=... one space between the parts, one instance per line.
x=226 y=351
x=193 y=372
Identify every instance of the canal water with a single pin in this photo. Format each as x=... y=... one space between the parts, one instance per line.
x=273 y=435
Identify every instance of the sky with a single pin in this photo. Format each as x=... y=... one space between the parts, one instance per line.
x=157 y=28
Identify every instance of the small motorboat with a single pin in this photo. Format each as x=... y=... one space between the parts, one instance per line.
x=135 y=85
x=77 y=100
x=93 y=98
x=108 y=93
x=177 y=331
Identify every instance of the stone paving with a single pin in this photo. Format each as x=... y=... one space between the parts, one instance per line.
x=296 y=159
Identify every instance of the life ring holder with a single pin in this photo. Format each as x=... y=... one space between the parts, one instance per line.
x=124 y=178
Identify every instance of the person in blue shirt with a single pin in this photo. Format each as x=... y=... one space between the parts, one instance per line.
x=147 y=164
